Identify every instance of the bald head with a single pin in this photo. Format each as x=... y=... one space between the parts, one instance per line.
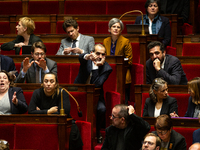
x=195 y=146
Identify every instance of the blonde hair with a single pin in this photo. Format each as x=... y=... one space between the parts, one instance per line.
x=4 y=145
x=194 y=85
x=28 y=23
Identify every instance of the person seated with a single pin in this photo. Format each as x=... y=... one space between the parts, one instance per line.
x=151 y=142
x=159 y=101
x=12 y=100
x=127 y=130
x=193 y=109
x=75 y=43
x=33 y=70
x=4 y=145
x=157 y=24
x=195 y=146
x=47 y=99
x=25 y=29
x=162 y=65
x=170 y=139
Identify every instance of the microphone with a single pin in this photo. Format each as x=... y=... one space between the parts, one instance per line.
x=78 y=107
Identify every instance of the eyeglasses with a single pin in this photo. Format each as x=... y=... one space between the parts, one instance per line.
x=162 y=132
x=147 y=142
x=113 y=117
x=37 y=54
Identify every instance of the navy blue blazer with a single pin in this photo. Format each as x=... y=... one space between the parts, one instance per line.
x=8 y=64
x=191 y=108
x=22 y=106
x=196 y=136
x=165 y=30
x=172 y=73
x=85 y=70
x=169 y=106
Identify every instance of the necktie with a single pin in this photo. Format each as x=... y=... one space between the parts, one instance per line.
x=95 y=74
x=37 y=74
x=73 y=46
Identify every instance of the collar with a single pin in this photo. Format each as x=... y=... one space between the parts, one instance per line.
x=163 y=63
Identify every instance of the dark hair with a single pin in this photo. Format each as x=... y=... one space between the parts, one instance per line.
x=148 y=2
x=100 y=45
x=156 y=43
x=68 y=23
x=10 y=75
x=156 y=85
x=158 y=141
x=163 y=122
x=38 y=44
x=123 y=111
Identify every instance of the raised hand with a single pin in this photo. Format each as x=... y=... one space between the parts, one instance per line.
x=26 y=64
x=14 y=99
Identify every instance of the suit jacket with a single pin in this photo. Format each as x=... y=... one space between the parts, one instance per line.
x=124 y=48
x=22 y=105
x=177 y=141
x=8 y=64
x=136 y=129
x=169 y=106
x=191 y=108
x=180 y=7
x=165 y=30
x=172 y=73
x=196 y=136
x=10 y=45
x=86 y=43
x=30 y=74
x=85 y=70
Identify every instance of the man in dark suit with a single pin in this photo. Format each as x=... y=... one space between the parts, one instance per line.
x=33 y=70
x=180 y=7
x=162 y=65
x=95 y=70
x=127 y=130
x=7 y=64
x=75 y=43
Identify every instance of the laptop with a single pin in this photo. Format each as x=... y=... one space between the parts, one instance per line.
x=136 y=29
x=26 y=50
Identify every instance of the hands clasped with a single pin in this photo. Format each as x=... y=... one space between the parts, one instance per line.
x=96 y=59
x=73 y=50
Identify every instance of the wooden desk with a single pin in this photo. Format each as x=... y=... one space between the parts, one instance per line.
x=61 y=121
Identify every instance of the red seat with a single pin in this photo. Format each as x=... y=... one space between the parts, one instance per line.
x=11 y=8
x=191 y=71
x=4 y=27
x=63 y=73
x=52 y=48
x=191 y=49
x=42 y=28
x=43 y=7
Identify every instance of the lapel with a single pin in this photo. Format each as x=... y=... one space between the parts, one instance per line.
x=166 y=63
x=2 y=66
x=108 y=45
x=151 y=113
x=81 y=41
x=164 y=106
x=119 y=45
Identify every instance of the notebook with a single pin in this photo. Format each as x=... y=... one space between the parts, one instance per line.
x=26 y=50
x=136 y=29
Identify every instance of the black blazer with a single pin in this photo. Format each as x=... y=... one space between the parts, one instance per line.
x=172 y=73
x=180 y=7
x=191 y=108
x=10 y=45
x=169 y=106
x=133 y=134
x=8 y=64
x=165 y=30
x=177 y=141
x=22 y=105
x=85 y=70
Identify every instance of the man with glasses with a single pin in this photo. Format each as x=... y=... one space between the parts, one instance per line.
x=127 y=129
x=95 y=70
x=162 y=65
x=33 y=70
x=151 y=142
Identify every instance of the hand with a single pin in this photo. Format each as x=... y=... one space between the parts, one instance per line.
x=26 y=64
x=77 y=50
x=14 y=99
x=52 y=110
x=100 y=63
x=131 y=110
x=174 y=114
x=92 y=56
x=19 y=44
x=67 y=50
x=42 y=64
x=156 y=64
x=37 y=108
